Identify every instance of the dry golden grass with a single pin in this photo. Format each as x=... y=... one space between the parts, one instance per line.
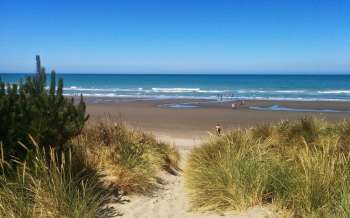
x=129 y=158
x=43 y=187
x=105 y=159
x=302 y=167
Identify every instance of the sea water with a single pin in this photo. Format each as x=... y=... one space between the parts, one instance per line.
x=223 y=87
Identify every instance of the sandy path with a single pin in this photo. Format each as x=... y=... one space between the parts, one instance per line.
x=170 y=200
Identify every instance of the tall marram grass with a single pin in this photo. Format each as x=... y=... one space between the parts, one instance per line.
x=104 y=160
x=302 y=167
x=42 y=186
x=130 y=159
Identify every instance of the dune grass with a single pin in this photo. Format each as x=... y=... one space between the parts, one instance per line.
x=105 y=160
x=42 y=186
x=301 y=167
x=130 y=159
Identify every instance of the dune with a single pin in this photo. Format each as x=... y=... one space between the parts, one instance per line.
x=170 y=201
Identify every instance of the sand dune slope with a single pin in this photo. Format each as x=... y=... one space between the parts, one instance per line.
x=170 y=200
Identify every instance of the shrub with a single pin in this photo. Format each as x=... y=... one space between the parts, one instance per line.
x=28 y=108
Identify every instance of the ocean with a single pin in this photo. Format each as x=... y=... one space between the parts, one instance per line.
x=224 y=87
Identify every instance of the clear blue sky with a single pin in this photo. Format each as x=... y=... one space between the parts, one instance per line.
x=119 y=36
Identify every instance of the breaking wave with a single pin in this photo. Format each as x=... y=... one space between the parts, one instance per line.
x=206 y=93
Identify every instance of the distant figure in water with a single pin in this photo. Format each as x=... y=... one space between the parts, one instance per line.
x=218 y=129
x=219 y=97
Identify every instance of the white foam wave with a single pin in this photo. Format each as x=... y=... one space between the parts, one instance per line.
x=212 y=97
x=199 y=90
x=290 y=91
x=175 y=90
x=75 y=88
x=269 y=91
x=155 y=90
x=198 y=93
x=184 y=90
x=334 y=92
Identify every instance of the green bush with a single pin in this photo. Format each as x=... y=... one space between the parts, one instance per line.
x=29 y=108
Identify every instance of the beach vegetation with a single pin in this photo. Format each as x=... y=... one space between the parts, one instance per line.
x=40 y=186
x=130 y=158
x=104 y=162
x=53 y=165
x=299 y=166
x=30 y=108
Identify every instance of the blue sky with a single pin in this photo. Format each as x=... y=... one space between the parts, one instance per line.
x=176 y=36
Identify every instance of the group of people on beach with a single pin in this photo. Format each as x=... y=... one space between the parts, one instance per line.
x=220 y=97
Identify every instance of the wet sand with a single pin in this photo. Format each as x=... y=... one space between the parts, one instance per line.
x=201 y=116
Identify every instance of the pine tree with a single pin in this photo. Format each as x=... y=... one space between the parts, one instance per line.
x=28 y=108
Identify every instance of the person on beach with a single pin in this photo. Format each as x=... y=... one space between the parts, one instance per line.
x=218 y=129
x=235 y=105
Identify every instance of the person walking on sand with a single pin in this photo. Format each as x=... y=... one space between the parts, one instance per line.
x=218 y=129
x=234 y=105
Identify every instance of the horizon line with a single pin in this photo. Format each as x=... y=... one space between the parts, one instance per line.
x=195 y=73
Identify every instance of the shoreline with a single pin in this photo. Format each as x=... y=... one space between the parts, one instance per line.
x=196 y=122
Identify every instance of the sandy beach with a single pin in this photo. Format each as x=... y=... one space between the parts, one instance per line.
x=188 y=127
x=158 y=117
